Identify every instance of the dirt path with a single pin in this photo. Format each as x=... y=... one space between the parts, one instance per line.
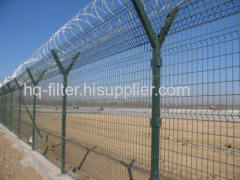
x=9 y=163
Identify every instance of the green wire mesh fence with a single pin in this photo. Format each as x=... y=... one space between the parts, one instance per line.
x=189 y=129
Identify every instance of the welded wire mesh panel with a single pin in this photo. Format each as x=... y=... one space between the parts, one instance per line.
x=113 y=125
x=8 y=111
x=200 y=129
x=48 y=121
x=3 y=110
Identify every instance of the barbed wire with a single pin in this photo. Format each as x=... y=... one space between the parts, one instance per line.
x=107 y=27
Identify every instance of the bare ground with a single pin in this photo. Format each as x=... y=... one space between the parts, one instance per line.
x=9 y=159
x=190 y=149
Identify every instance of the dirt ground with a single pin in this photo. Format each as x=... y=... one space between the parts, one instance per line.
x=9 y=163
x=189 y=148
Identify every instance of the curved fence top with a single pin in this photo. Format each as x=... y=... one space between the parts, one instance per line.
x=107 y=27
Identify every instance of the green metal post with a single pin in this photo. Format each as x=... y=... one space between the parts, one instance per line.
x=0 y=107
x=4 y=103
x=64 y=104
x=19 y=112
x=64 y=101
x=156 y=43
x=19 y=108
x=5 y=107
x=5 y=110
x=35 y=83
x=2 y=98
x=11 y=101
x=156 y=120
x=33 y=108
x=34 y=120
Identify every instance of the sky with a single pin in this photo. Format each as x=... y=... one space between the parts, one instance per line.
x=25 y=25
x=210 y=69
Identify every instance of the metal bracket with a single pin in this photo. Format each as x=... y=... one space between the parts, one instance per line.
x=146 y=23
x=157 y=122
x=35 y=82
x=129 y=168
x=84 y=159
x=156 y=63
x=65 y=72
x=168 y=23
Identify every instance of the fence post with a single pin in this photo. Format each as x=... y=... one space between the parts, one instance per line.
x=5 y=106
x=11 y=101
x=19 y=107
x=65 y=73
x=2 y=99
x=1 y=113
x=35 y=83
x=156 y=42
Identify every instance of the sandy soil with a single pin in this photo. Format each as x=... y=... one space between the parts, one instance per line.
x=189 y=149
x=9 y=159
